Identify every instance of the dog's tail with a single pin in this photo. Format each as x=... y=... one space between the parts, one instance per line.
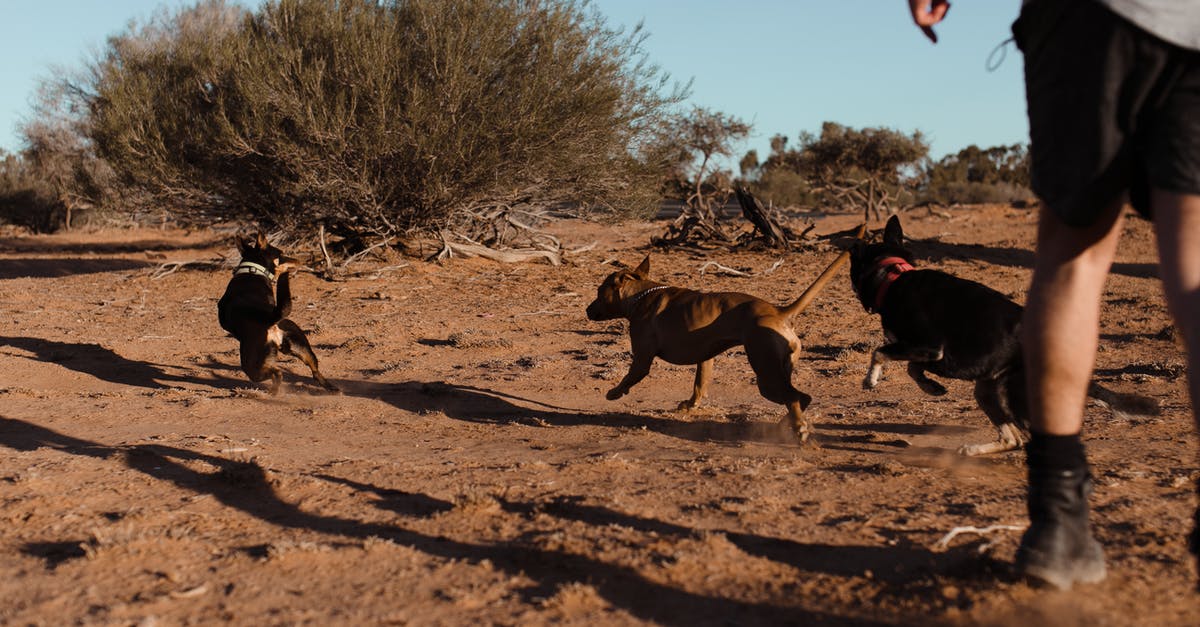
x=810 y=294
x=1124 y=405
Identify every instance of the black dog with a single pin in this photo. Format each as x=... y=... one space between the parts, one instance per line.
x=957 y=329
x=256 y=314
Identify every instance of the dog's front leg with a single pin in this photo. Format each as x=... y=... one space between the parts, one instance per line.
x=637 y=371
x=703 y=376
x=283 y=294
x=927 y=385
x=1009 y=440
x=897 y=351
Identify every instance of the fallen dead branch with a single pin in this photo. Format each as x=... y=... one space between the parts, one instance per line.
x=944 y=543
x=449 y=249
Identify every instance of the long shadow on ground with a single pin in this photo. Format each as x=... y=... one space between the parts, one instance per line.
x=245 y=486
x=933 y=250
x=60 y=267
x=107 y=365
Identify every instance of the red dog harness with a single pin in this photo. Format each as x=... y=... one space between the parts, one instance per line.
x=886 y=271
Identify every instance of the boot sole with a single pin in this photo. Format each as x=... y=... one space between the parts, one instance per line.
x=1081 y=571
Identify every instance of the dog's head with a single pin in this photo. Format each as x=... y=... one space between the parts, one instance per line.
x=617 y=287
x=864 y=256
x=256 y=249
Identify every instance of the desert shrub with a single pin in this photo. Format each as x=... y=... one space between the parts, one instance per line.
x=971 y=192
x=24 y=199
x=783 y=188
x=379 y=117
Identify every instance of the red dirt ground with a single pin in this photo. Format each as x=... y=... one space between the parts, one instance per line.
x=473 y=472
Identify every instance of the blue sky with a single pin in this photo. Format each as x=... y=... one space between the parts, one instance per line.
x=782 y=65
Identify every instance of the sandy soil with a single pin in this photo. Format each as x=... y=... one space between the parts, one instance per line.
x=473 y=472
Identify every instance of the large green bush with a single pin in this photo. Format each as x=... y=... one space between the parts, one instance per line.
x=378 y=117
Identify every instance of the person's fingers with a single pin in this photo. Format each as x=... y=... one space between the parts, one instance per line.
x=926 y=13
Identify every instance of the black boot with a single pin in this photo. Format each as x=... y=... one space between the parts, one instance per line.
x=1058 y=547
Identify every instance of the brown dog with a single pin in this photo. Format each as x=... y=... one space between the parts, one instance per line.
x=684 y=326
x=256 y=314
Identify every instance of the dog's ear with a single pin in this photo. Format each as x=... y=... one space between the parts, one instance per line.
x=892 y=233
x=242 y=243
x=643 y=270
x=261 y=238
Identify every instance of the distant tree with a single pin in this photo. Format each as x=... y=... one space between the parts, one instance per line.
x=871 y=165
x=59 y=153
x=974 y=174
x=701 y=136
x=748 y=166
x=998 y=164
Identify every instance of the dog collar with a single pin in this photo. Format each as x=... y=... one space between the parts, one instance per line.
x=642 y=294
x=249 y=267
x=886 y=271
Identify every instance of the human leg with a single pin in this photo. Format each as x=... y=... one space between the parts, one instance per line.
x=1060 y=332
x=1061 y=325
x=1177 y=227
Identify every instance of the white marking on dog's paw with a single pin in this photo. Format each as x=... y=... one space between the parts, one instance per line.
x=872 y=378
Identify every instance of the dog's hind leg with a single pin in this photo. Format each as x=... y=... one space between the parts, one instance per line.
x=258 y=362
x=283 y=296
x=770 y=355
x=703 y=376
x=993 y=396
x=296 y=343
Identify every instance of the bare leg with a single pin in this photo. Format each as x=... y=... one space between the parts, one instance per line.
x=1177 y=225
x=1061 y=326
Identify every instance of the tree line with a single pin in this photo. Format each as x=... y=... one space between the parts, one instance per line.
x=369 y=119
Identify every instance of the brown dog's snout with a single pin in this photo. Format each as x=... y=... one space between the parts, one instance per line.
x=596 y=311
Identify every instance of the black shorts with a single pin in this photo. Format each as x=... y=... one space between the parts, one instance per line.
x=1112 y=109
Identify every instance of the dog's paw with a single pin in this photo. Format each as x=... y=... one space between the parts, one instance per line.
x=972 y=450
x=874 y=374
x=686 y=406
x=614 y=394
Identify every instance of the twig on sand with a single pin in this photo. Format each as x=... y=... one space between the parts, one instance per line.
x=325 y=252
x=171 y=267
x=735 y=272
x=944 y=543
x=723 y=269
x=371 y=275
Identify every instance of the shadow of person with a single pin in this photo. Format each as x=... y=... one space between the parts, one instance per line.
x=898 y=566
x=246 y=487
x=108 y=365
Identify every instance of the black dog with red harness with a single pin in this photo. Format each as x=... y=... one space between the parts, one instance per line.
x=956 y=329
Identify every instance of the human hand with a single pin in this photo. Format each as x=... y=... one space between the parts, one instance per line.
x=926 y=13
